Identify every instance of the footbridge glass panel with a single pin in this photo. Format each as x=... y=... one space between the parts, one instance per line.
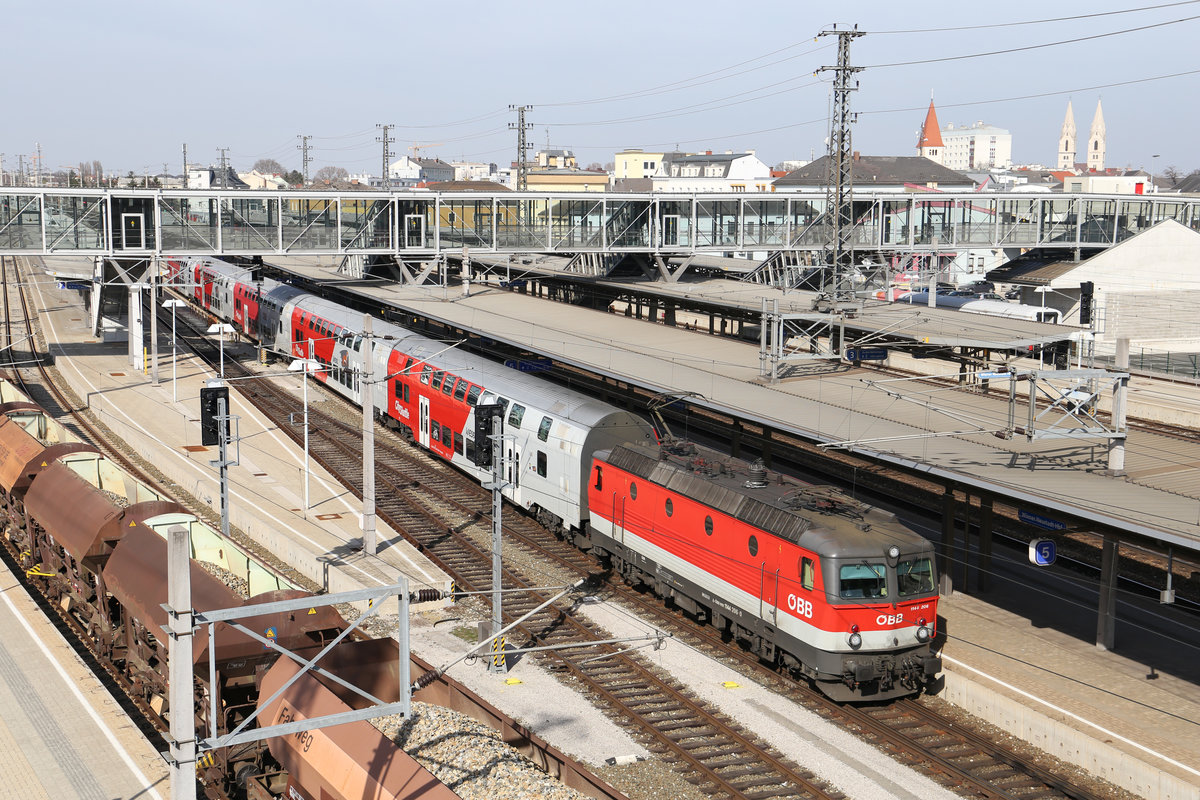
x=934 y=222
x=366 y=223
x=1017 y=222
x=521 y=224
x=868 y=223
x=576 y=224
x=250 y=223
x=75 y=222
x=628 y=223
x=1175 y=211
x=1097 y=225
x=897 y=219
x=466 y=222
x=417 y=221
x=1133 y=217
x=809 y=225
x=974 y=221
x=20 y=222
x=766 y=223
x=1059 y=218
x=717 y=222
x=188 y=223
x=309 y=223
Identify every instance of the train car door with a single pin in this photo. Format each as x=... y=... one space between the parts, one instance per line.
x=512 y=471
x=133 y=231
x=670 y=230
x=423 y=422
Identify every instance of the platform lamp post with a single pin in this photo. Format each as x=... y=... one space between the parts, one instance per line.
x=221 y=328
x=305 y=365
x=173 y=303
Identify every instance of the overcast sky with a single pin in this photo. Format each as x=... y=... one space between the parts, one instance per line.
x=128 y=83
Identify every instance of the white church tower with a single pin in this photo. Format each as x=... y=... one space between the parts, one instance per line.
x=1067 y=142
x=1096 y=143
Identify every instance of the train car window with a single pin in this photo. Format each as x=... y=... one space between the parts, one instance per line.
x=632 y=491
x=708 y=526
x=458 y=443
x=449 y=385
x=435 y=431
x=753 y=545
x=544 y=429
x=503 y=405
x=447 y=436
x=516 y=415
x=670 y=507
x=471 y=450
x=863 y=581
x=914 y=577
x=473 y=395
x=541 y=464
x=436 y=383
x=460 y=391
x=808 y=573
x=599 y=478
x=425 y=370
x=358 y=344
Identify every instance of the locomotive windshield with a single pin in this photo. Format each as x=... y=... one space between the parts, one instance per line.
x=915 y=576
x=863 y=580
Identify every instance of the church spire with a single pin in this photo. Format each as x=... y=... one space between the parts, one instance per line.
x=1096 y=141
x=930 y=142
x=1067 y=141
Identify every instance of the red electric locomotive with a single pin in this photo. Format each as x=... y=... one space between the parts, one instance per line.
x=806 y=576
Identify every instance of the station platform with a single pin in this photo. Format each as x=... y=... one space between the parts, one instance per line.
x=1048 y=684
x=61 y=733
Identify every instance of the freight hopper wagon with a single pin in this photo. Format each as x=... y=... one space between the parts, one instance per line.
x=93 y=540
x=807 y=577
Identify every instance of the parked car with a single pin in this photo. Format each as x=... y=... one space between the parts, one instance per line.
x=1013 y=293
x=979 y=286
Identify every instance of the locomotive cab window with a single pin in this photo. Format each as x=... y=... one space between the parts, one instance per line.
x=914 y=577
x=862 y=581
x=808 y=572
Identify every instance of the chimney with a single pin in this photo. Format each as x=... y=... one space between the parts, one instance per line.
x=708 y=152
x=856 y=155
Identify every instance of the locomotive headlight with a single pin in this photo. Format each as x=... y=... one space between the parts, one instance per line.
x=855 y=640
x=923 y=631
x=893 y=552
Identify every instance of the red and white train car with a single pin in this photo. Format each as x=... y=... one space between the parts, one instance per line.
x=806 y=576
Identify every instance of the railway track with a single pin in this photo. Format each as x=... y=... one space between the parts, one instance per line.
x=423 y=499
x=447 y=515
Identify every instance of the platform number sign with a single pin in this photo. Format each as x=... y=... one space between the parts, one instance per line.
x=1042 y=552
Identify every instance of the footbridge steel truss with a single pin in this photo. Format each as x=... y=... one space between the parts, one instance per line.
x=117 y=222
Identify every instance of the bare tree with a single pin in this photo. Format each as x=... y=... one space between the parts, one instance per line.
x=268 y=166
x=331 y=174
x=1172 y=173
